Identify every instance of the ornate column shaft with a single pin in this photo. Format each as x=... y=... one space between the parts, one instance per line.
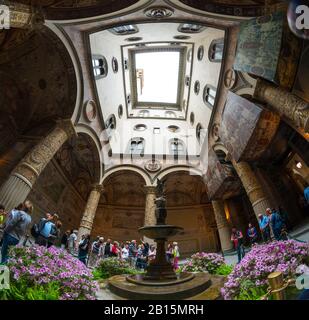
x=258 y=198
x=90 y=211
x=222 y=225
x=285 y=103
x=17 y=187
x=23 y=16
x=150 y=216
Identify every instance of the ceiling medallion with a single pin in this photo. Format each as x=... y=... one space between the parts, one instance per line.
x=230 y=78
x=90 y=110
x=152 y=165
x=158 y=12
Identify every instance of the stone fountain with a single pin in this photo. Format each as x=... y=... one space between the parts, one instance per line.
x=160 y=280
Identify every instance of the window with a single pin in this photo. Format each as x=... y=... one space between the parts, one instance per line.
x=120 y=111
x=200 y=53
x=182 y=37
x=110 y=125
x=126 y=64
x=199 y=129
x=173 y=128
x=215 y=52
x=124 y=30
x=156 y=130
x=144 y=113
x=192 y=118
x=157 y=76
x=128 y=99
x=187 y=81
x=177 y=147
x=137 y=146
x=170 y=114
x=197 y=87
x=209 y=95
x=115 y=64
x=190 y=28
x=140 y=127
x=100 y=67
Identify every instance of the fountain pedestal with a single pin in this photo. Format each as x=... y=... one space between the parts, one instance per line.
x=160 y=275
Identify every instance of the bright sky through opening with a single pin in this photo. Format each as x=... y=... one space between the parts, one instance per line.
x=160 y=76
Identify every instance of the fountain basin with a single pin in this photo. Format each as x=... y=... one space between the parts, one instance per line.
x=160 y=231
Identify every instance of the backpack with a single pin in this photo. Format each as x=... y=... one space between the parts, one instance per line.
x=37 y=227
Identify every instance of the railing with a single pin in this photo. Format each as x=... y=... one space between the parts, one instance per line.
x=277 y=286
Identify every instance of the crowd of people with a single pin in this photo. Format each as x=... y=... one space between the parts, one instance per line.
x=272 y=225
x=47 y=232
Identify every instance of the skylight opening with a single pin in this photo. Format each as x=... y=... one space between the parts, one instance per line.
x=157 y=76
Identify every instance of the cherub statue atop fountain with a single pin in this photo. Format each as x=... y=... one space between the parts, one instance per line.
x=160 y=202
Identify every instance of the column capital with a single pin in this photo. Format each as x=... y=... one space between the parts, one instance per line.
x=150 y=189
x=97 y=187
x=67 y=126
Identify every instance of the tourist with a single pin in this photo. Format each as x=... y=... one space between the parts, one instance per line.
x=169 y=253
x=107 y=250
x=64 y=240
x=55 y=233
x=146 y=248
x=175 y=255
x=132 y=253
x=125 y=252
x=152 y=253
x=252 y=234
x=46 y=230
x=115 y=250
x=83 y=248
x=275 y=222
x=2 y=219
x=284 y=216
x=15 y=228
x=237 y=239
x=141 y=258
x=264 y=227
x=2 y=214
x=72 y=242
x=96 y=251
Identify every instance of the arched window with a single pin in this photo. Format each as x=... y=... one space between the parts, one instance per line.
x=170 y=114
x=209 y=95
x=110 y=124
x=199 y=129
x=144 y=113
x=177 y=147
x=124 y=30
x=215 y=52
x=137 y=146
x=100 y=67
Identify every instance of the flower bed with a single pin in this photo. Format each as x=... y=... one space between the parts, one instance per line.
x=109 y=267
x=248 y=281
x=202 y=262
x=38 y=273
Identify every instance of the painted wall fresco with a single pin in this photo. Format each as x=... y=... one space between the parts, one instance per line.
x=259 y=44
x=301 y=85
x=239 y=120
x=53 y=193
x=220 y=180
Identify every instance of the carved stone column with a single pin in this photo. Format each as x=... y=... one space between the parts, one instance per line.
x=222 y=225
x=24 y=16
x=285 y=103
x=17 y=187
x=258 y=198
x=150 y=216
x=90 y=211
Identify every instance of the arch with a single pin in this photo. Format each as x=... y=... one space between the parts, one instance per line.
x=131 y=168
x=76 y=66
x=165 y=172
x=95 y=143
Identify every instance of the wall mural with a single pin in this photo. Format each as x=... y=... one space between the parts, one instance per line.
x=259 y=45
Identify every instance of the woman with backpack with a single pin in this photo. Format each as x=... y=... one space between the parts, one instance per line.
x=16 y=228
x=46 y=229
x=83 y=248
